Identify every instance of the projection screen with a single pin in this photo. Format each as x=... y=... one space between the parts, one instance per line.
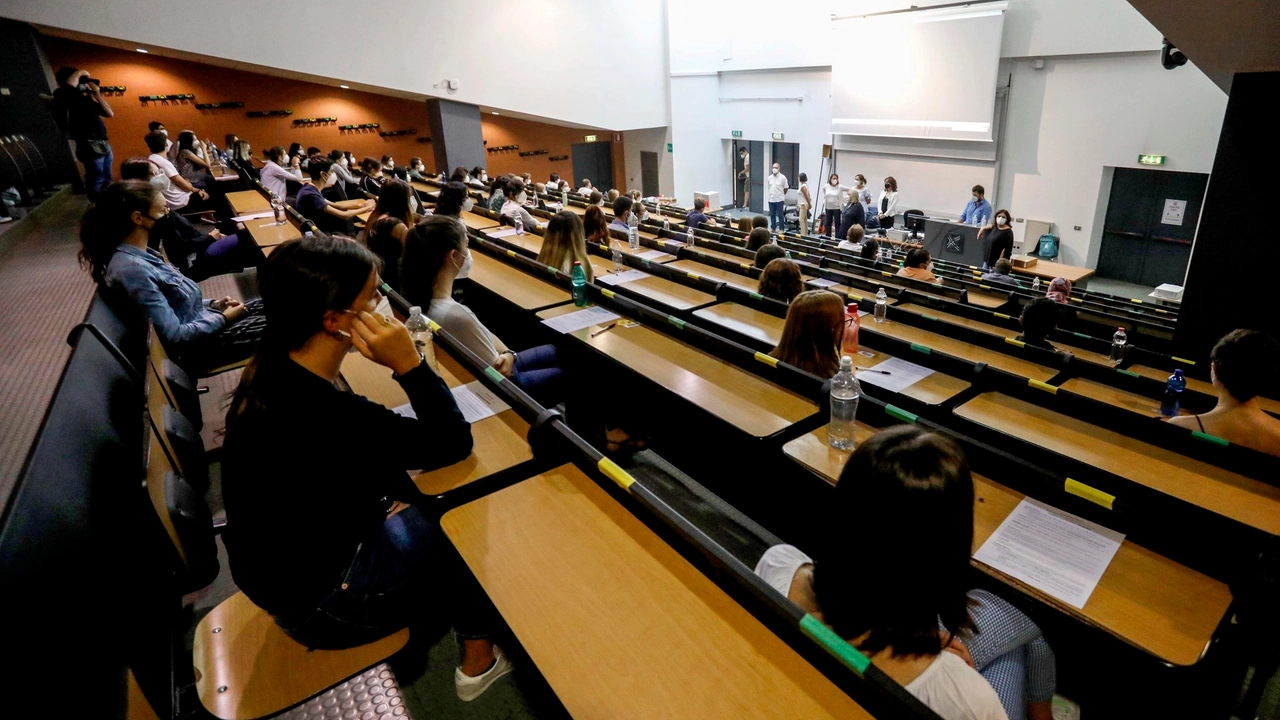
x=923 y=74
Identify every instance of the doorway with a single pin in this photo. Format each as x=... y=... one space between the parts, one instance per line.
x=648 y=173
x=748 y=171
x=593 y=161
x=1150 y=225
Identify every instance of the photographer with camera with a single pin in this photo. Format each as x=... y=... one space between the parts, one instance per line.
x=78 y=108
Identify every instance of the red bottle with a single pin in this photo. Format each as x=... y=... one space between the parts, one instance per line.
x=849 y=346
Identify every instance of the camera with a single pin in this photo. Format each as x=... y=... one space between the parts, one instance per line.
x=86 y=80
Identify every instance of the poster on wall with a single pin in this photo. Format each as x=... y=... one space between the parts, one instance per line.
x=1173 y=212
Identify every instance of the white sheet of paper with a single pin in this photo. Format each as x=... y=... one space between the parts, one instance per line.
x=822 y=282
x=504 y=232
x=252 y=216
x=581 y=319
x=477 y=402
x=625 y=276
x=1051 y=550
x=651 y=255
x=902 y=374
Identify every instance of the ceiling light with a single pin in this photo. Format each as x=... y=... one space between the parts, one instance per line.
x=141 y=50
x=345 y=87
x=493 y=112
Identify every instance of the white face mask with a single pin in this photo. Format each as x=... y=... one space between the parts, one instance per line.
x=521 y=197
x=342 y=161
x=930 y=268
x=330 y=180
x=168 y=144
x=1002 y=221
x=164 y=132
x=976 y=200
x=468 y=204
x=484 y=177
x=465 y=270
x=160 y=182
x=834 y=183
x=775 y=171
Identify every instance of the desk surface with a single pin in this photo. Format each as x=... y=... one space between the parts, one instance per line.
x=985 y=301
x=266 y=233
x=244 y=202
x=1113 y=396
x=1051 y=270
x=1145 y=599
x=514 y=285
x=477 y=222
x=972 y=353
x=1245 y=500
x=740 y=398
x=698 y=249
x=669 y=293
x=498 y=441
x=718 y=274
x=586 y=587
x=988 y=328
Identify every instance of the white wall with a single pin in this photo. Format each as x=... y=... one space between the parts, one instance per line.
x=650 y=140
x=1078 y=116
x=500 y=51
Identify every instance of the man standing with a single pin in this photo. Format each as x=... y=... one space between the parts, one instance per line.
x=744 y=175
x=777 y=196
x=978 y=210
x=78 y=108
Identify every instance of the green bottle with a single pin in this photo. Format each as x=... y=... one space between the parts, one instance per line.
x=579 y=277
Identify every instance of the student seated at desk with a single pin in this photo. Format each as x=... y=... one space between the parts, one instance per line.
x=389 y=222
x=322 y=532
x=178 y=193
x=453 y=200
x=595 y=198
x=417 y=169
x=191 y=162
x=919 y=266
x=696 y=217
x=242 y=157
x=870 y=249
x=586 y=188
x=852 y=238
x=596 y=226
x=1039 y=318
x=621 y=214
x=768 y=254
x=745 y=225
x=436 y=254
x=513 y=206
x=1059 y=290
x=759 y=221
x=781 y=280
x=459 y=174
x=279 y=171
x=1242 y=365
x=329 y=216
x=759 y=238
x=1000 y=273
x=198 y=334
x=813 y=332
x=498 y=198
x=613 y=195
x=968 y=656
x=347 y=180
x=564 y=243
x=373 y=178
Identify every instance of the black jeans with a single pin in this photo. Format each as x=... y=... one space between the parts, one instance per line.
x=832 y=222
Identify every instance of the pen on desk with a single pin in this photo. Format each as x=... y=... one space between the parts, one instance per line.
x=606 y=328
x=862 y=369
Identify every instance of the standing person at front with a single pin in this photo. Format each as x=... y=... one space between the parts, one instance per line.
x=888 y=204
x=999 y=239
x=833 y=196
x=804 y=202
x=78 y=108
x=744 y=176
x=777 y=196
x=852 y=214
x=977 y=210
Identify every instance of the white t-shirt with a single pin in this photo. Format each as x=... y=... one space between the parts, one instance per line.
x=833 y=196
x=464 y=326
x=274 y=176
x=175 y=197
x=800 y=195
x=779 y=564
x=777 y=187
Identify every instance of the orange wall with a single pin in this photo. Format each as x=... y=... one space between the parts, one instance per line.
x=154 y=75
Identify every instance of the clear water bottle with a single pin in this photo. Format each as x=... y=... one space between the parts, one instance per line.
x=666 y=224
x=615 y=249
x=882 y=305
x=277 y=207
x=1035 y=286
x=1173 y=388
x=845 y=392
x=633 y=231
x=519 y=224
x=1117 y=346
x=579 y=278
x=419 y=330
x=564 y=199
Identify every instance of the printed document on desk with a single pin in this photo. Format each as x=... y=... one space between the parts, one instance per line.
x=476 y=402
x=902 y=374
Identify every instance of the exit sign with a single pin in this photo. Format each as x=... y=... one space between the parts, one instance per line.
x=668 y=147
x=591 y=138
x=737 y=133
x=777 y=136
x=1151 y=159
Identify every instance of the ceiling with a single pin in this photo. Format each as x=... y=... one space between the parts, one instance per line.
x=1222 y=37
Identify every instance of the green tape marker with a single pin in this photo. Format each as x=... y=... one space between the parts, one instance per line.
x=551 y=269
x=929 y=317
x=921 y=349
x=1213 y=439
x=899 y=413
x=1127 y=372
x=494 y=375
x=835 y=645
x=1082 y=335
x=676 y=321
x=756 y=296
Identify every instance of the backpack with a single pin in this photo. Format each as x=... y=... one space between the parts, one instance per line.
x=1047 y=247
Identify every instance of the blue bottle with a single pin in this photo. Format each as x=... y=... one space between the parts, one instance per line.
x=579 y=280
x=1173 y=394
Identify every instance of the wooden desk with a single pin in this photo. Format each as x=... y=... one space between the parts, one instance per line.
x=720 y=275
x=520 y=288
x=666 y=292
x=248 y=201
x=978 y=325
x=1144 y=599
x=528 y=241
x=740 y=398
x=699 y=250
x=1251 y=502
x=985 y=301
x=478 y=222
x=1112 y=396
x=1050 y=270
x=499 y=440
x=972 y=353
x=617 y=621
x=662 y=259
x=266 y=233
x=1271 y=406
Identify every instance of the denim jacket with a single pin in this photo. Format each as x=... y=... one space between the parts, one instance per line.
x=166 y=297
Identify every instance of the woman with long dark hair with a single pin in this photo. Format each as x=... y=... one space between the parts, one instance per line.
x=454 y=200
x=564 y=242
x=388 y=224
x=191 y=162
x=321 y=530
x=197 y=333
x=813 y=332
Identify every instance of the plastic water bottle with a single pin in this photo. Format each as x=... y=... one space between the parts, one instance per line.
x=849 y=344
x=579 y=279
x=882 y=305
x=1117 y=346
x=519 y=225
x=564 y=199
x=419 y=329
x=633 y=231
x=1035 y=286
x=1173 y=394
x=278 y=208
x=845 y=392
x=666 y=224
x=615 y=249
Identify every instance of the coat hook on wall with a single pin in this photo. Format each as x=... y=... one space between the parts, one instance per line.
x=182 y=97
x=219 y=106
x=558 y=158
x=314 y=121
x=359 y=128
x=398 y=133
x=268 y=113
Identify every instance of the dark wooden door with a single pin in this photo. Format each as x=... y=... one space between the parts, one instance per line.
x=593 y=161
x=1150 y=225
x=787 y=155
x=648 y=173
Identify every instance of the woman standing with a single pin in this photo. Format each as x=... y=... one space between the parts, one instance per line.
x=833 y=194
x=999 y=239
x=888 y=204
x=805 y=202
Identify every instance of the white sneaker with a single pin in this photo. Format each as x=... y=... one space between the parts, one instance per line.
x=4 y=219
x=469 y=688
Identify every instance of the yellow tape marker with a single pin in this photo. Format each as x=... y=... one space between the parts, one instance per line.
x=984 y=287
x=511 y=253
x=1079 y=300
x=859 y=298
x=435 y=327
x=1092 y=494
x=886 y=274
x=1014 y=342
x=1183 y=360
x=606 y=293
x=615 y=473
x=695 y=276
x=1135 y=300
x=744 y=266
x=1002 y=316
x=1043 y=386
x=767 y=359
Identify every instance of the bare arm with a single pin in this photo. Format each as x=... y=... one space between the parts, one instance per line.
x=96 y=93
x=195 y=159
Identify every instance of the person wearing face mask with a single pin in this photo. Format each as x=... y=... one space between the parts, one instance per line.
x=329 y=216
x=497 y=197
x=977 y=208
x=478 y=176
x=778 y=186
x=179 y=194
x=78 y=108
x=888 y=204
x=513 y=206
x=373 y=176
x=919 y=266
x=744 y=176
x=435 y=255
x=347 y=184
x=417 y=169
x=852 y=214
x=804 y=202
x=279 y=171
x=242 y=157
x=999 y=239
x=191 y=162
x=621 y=214
x=833 y=199
x=198 y=334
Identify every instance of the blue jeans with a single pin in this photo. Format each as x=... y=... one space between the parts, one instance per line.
x=97 y=169
x=408 y=574
x=537 y=372
x=775 y=215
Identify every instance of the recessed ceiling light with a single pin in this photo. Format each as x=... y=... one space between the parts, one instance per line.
x=493 y=112
x=141 y=50
x=345 y=87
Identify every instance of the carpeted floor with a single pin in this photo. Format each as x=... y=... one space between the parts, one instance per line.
x=43 y=294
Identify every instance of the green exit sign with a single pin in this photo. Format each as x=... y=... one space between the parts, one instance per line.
x=777 y=136
x=737 y=133
x=1151 y=159
x=668 y=147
